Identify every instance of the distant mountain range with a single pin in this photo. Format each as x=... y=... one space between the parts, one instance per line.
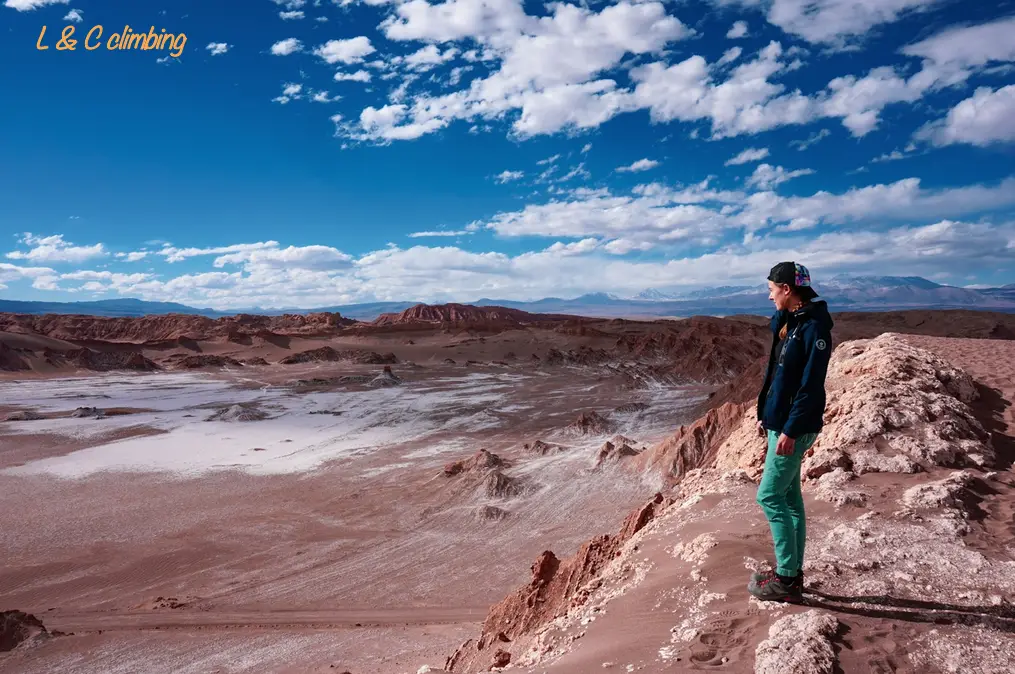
x=843 y=293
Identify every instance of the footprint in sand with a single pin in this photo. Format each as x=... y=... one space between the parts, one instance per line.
x=724 y=638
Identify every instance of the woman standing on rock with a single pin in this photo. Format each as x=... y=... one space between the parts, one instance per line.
x=791 y=410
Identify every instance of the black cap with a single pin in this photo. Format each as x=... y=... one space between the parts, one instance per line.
x=794 y=275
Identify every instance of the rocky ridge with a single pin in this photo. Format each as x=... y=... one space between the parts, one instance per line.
x=21 y=630
x=167 y=327
x=462 y=314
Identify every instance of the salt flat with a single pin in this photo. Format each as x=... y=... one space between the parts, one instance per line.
x=295 y=436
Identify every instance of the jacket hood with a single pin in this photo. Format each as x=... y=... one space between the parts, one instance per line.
x=812 y=311
x=815 y=311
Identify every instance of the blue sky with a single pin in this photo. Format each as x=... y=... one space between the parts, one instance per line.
x=318 y=152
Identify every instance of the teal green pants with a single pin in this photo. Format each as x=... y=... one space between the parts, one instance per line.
x=780 y=497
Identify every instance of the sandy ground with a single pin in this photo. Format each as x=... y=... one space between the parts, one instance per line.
x=170 y=539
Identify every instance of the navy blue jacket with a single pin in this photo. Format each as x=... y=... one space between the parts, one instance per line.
x=792 y=399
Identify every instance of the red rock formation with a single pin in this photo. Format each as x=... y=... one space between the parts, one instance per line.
x=327 y=353
x=11 y=360
x=933 y=323
x=205 y=360
x=610 y=452
x=544 y=448
x=168 y=327
x=499 y=485
x=18 y=627
x=589 y=423
x=744 y=388
x=631 y=408
x=709 y=350
x=101 y=361
x=501 y=658
x=694 y=446
x=583 y=355
x=556 y=587
x=462 y=314
x=480 y=461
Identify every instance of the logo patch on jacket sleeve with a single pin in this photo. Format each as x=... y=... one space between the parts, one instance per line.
x=821 y=344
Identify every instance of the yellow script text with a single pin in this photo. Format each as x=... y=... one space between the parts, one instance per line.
x=125 y=39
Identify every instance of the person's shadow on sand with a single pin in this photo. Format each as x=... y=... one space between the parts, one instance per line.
x=1001 y=617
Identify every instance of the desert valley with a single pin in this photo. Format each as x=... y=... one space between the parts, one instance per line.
x=461 y=488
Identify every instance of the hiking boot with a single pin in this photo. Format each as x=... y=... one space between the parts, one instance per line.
x=758 y=577
x=773 y=589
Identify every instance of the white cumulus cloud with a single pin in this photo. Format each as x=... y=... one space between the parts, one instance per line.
x=638 y=166
x=53 y=249
x=737 y=31
x=286 y=47
x=358 y=76
x=766 y=176
x=985 y=118
x=29 y=5
x=508 y=176
x=439 y=233
x=350 y=51
x=751 y=154
x=834 y=22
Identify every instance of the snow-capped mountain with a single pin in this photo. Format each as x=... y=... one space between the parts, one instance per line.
x=653 y=295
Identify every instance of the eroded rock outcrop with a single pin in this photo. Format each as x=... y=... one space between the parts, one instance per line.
x=695 y=445
x=798 y=644
x=101 y=361
x=88 y=413
x=172 y=327
x=612 y=453
x=544 y=448
x=386 y=378
x=582 y=356
x=204 y=360
x=461 y=315
x=498 y=485
x=556 y=586
x=20 y=629
x=482 y=460
x=701 y=349
x=590 y=423
x=330 y=354
x=239 y=413
x=631 y=408
x=11 y=360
